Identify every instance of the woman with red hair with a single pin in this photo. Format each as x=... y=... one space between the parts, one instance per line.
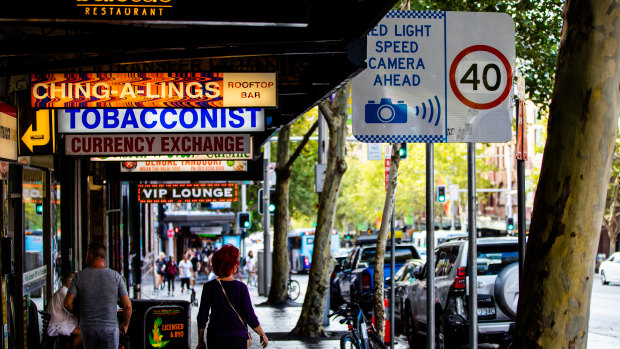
x=226 y=302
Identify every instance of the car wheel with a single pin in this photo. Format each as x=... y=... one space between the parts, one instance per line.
x=506 y=289
x=604 y=280
x=443 y=340
x=410 y=331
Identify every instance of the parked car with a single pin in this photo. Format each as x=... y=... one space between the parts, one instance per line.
x=402 y=278
x=358 y=272
x=498 y=291
x=610 y=269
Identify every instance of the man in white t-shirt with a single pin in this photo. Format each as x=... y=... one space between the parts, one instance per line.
x=62 y=322
x=250 y=268
x=185 y=272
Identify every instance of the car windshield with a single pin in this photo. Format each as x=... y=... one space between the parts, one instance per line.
x=403 y=253
x=493 y=258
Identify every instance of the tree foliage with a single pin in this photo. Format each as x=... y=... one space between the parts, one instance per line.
x=537 y=24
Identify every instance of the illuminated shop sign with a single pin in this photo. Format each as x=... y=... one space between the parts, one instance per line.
x=8 y=132
x=159 y=120
x=153 y=90
x=184 y=166
x=187 y=192
x=157 y=144
x=194 y=157
x=166 y=326
x=101 y=9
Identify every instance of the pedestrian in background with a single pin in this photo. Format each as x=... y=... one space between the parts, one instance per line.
x=171 y=272
x=226 y=302
x=62 y=322
x=160 y=267
x=185 y=272
x=98 y=289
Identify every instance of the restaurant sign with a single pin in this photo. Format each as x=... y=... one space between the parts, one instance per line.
x=187 y=192
x=153 y=90
x=184 y=166
x=192 y=157
x=157 y=144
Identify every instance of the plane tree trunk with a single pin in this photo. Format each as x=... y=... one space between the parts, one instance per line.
x=382 y=237
x=310 y=322
x=280 y=263
x=554 y=302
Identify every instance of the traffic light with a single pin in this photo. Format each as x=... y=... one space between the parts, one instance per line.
x=272 y=201
x=441 y=193
x=510 y=224
x=403 y=151
x=176 y=230
x=272 y=205
x=38 y=208
x=244 y=220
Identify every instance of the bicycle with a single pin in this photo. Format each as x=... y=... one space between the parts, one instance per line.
x=362 y=333
x=292 y=288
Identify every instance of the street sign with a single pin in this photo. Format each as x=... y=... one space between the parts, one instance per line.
x=271 y=172
x=37 y=132
x=170 y=233
x=374 y=151
x=435 y=76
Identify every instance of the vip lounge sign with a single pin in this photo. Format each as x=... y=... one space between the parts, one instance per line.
x=153 y=90
x=184 y=192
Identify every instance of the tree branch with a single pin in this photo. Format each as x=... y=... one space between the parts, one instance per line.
x=327 y=113
x=300 y=147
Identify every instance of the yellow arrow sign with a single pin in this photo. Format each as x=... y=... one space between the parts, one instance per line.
x=42 y=135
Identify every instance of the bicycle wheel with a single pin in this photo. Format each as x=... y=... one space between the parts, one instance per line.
x=374 y=341
x=293 y=289
x=348 y=341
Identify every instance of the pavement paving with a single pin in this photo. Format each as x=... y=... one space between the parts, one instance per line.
x=276 y=321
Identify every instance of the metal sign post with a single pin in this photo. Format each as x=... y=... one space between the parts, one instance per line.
x=430 y=245
x=266 y=220
x=472 y=268
x=392 y=264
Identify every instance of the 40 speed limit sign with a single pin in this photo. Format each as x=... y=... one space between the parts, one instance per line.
x=435 y=76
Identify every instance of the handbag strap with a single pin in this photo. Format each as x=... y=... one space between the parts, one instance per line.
x=233 y=308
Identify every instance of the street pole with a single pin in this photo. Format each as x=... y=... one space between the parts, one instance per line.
x=392 y=264
x=430 y=246
x=472 y=254
x=266 y=219
x=243 y=208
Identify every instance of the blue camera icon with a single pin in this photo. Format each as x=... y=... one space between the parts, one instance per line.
x=386 y=112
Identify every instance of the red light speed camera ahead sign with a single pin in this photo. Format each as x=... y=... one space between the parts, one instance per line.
x=435 y=76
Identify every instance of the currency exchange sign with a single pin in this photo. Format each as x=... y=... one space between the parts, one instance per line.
x=434 y=77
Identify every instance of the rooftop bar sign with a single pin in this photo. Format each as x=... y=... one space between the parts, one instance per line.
x=153 y=90
x=187 y=192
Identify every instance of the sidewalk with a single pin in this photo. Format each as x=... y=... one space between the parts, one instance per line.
x=276 y=321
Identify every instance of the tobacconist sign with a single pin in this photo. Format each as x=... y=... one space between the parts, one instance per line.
x=153 y=90
x=166 y=326
x=182 y=143
x=187 y=192
x=162 y=120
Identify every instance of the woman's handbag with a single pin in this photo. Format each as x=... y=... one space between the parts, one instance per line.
x=238 y=316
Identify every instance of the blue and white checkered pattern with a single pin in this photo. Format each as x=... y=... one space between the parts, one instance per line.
x=416 y=14
x=401 y=138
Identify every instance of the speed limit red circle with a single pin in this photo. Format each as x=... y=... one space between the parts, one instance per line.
x=459 y=94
